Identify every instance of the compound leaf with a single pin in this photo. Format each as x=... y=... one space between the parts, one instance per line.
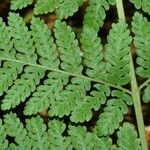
x=22 y=40
x=146 y=95
x=3 y=140
x=83 y=140
x=92 y=49
x=113 y=113
x=15 y=128
x=44 y=44
x=63 y=8
x=117 y=54
x=22 y=88
x=68 y=48
x=57 y=140
x=127 y=138
x=95 y=14
x=9 y=70
x=37 y=133
x=46 y=93
x=144 y=4
x=141 y=29
x=15 y=4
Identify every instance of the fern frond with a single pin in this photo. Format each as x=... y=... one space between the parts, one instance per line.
x=112 y=2
x=15 y=128
x=63 y=8
x=144 y=4
x=46 y=94
x=99 y=95
x=45 y=6
x=24 y=146
x=15 y=4
x=9 y=70
x=83 y=140
x=22 y=40
x=25 y=52
x=69 y=98
x=92 y=49
x=127 y=138
x=78 y=103
x=68 y=48
x=37 y=133
x=3 y=140
x=117 y=54
x=6 y=44
x=57 y=141
x=112 y=116
x=8 y=74
x=95 y=14
x=44 y=44
x=82 y=111
x=22 y=88
x=146 y=95
x=141 y=29
x=72 y=7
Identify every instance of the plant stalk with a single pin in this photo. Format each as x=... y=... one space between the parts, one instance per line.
x=137 y=106
x=135 y=89
x=120 y=9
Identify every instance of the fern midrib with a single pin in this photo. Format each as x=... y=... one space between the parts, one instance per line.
x=144 y=84
x=137 y=106
x=135 y=88
x=69 y=73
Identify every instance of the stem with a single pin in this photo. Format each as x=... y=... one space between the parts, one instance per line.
x=120 y=9
x=135 y=89
x=144 y=84
x=70 y=74
x=137 y=106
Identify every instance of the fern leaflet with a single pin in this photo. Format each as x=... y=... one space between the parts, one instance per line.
x=141 y=28
x=128 y=141
x=15 y=4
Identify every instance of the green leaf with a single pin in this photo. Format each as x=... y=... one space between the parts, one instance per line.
x=141 y=29
x=63 y=8
x=95 y=14
x=8 y=73
x=146 y=95
x=15 y=128
x=112 y=2
x=57 y=140
x=92 y=49
x=44 y=44
x=37 y=133
x=72 y=7
x=25 y=145
x=22 y=40
x=69 y=97
x=113 y=113
x=9 y=70
x=6 y=44
x=117 y=54
x=83 y=140
x=68 y=48
x=3 y=140
x=22 y=88
x=127 y=138
x=144 y=4
x=45 y=6
x=83 y=109
x=19 y=4
x=46 y=93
